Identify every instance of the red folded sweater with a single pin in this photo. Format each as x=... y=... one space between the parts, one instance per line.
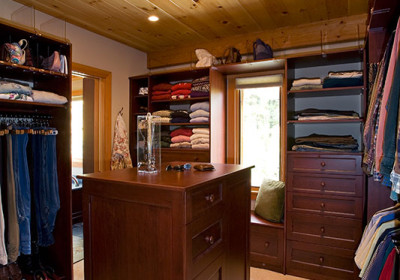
x=161 y=97
x=181 y=92
x=181 y=86
x=181 y=131
x=162 y=86
x=160 y=92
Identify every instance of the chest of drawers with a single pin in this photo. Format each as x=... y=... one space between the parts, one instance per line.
x=266 y=244
x=171 y=225
x=324 y=210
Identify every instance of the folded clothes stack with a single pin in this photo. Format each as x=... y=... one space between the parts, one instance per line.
x=180 y=116
x=165 y=139
x=325 y=114
x=200 y=87
x=165 y=116
x=14 y=91
x=343 y=79
x=326 y=143
x=161 y=91
x=181 y=90
x=180 y=137
x=48 y=97
x=200 y=112
x=305 y=83
x=144 y=91
x=200 y=138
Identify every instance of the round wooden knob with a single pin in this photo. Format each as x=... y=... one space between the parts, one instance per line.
x=210 y=198
x=266 y=244
x=323 y=164
x=322 y=184
x=209 y=239
x=321 y=259
x=322 y=230
x=322 y=205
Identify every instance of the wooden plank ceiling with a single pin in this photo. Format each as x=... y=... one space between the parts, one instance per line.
x=190 y=23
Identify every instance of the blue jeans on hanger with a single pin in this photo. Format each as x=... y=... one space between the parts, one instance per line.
x=22 y=190
x=46 y=196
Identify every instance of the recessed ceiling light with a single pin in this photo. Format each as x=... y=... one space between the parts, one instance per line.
x=153 y=18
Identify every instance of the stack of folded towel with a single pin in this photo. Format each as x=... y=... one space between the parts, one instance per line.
x=200 y=112
x=161 y=91
x=200 y=87
x=180 y=138
x=200 y=138
x=165 y=116
x=304 y=84
x=180 y=116
x=344 y=79
x=48 y=97
x=181 y=90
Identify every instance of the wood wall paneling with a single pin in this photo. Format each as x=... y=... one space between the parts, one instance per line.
x=329 y=31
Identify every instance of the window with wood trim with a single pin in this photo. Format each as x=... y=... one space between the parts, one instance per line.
x=255 y=134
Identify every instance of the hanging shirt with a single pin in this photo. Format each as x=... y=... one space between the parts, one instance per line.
x=121 y=157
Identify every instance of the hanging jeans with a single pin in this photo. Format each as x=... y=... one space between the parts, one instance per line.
x=22 y=190
x=12 y=220
x=3 y=252
x=46 y=196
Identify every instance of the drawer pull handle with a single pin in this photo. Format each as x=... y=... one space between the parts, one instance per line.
x=323 y=164
x=209 y=239
x=322 y=184
x=322 y=205
x=321 y=260
x=266 y=244
x=322 y=230
x=210 y=198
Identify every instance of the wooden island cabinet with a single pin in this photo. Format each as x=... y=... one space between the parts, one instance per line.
x=170 y=225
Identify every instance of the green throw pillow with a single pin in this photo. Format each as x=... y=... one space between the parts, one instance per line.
x=270 y=200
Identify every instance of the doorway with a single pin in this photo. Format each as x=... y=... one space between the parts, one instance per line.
x=91 y=138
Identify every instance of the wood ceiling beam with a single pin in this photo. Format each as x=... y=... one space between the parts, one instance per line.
x=326 y=32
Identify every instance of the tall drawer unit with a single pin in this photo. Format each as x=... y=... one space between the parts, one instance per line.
x=324 y=214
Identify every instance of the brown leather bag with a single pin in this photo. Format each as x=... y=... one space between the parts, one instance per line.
x=231 y=55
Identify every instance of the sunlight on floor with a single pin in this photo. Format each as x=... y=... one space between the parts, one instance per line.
x=255 y=274
x=263 y=274
x=78 y=271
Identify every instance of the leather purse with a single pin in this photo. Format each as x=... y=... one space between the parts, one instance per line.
x=231 y=55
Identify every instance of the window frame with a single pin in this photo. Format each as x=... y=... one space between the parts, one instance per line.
x=233 y=136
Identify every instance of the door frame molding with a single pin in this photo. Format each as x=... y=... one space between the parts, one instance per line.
x=102 y=111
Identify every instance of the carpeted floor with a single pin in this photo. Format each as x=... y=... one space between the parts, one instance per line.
x=77 y=242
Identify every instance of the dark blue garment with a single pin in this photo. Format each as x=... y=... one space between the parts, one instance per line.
x=45 y=185
x=342 y=82
x=22 y=190
x=180 y=120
